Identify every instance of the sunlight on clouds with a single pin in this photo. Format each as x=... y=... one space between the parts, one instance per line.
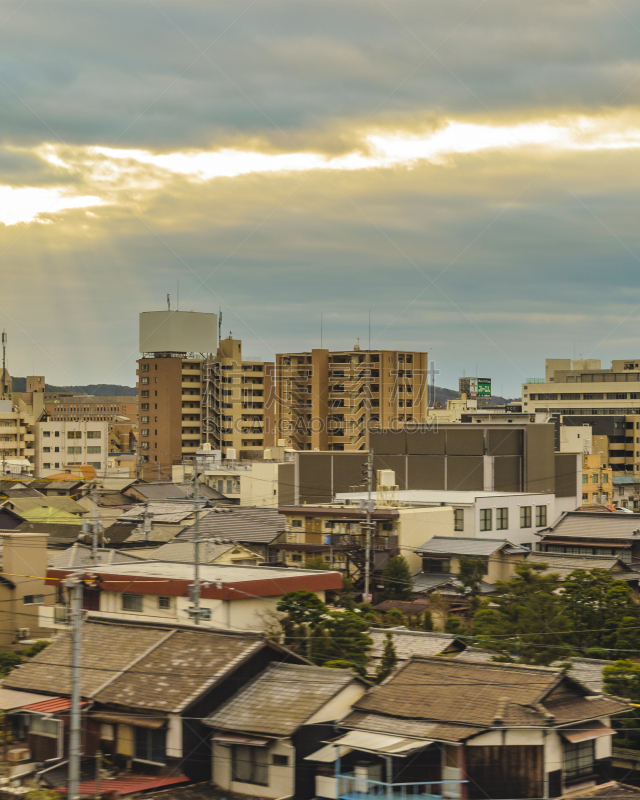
x=25 y=204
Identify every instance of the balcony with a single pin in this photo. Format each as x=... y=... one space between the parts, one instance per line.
x=351 y=787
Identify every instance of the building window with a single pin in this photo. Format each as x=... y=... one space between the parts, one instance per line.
x=485 y=519
x=144 y=432
x=94 y=434
x=46 y=466
x=436 y=566
x=33 y=599
x=74 y=451
x=578 y=759
x=296 y=523
x=145 y=393
x=164 y=602
x=150 y=745
x=46 y=433
x=132 y=602
x=605 y=476
x=144 y=419
x=205 y=613
x=594 y=478
x=145 y=407
x=585 y=497
x=46 y=449
x=458 y=519
x=585 y=478
x=525 y=516
x=541 y=516
x=249 y=764
x=96 y=448
x=145 y=380
x=144 y=367
x=144 y=445
x=74 y=434
x=44 y=726
x=280 y=761
x=502 y=519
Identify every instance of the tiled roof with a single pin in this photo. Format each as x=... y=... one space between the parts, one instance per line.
x=20 y=493
x=160 y=512
x=178 y=669
x=455 y=691
x=184 y=552
x=593 y=525
x=414 y=728
x=476 y=654
x=564 y=564
x=625 y=480
x=80 y=555
x=159 y=668
x=53 y=516
x=588 y=671
x=444 y=582
x=59 y=533
x=160 y=532
x=27 y=504
x=175 y=491
x=466 y=546
x=242 y=524
x=411 y=643
x=605 y=791
x=281 y=699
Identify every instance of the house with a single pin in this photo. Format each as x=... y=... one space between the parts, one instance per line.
x=337 y=531
x=263 y=734
x=409 y=643
x=593 y=533
x=215 y=551
x=60 y=485
x=26 y=505
x=10 y=520
x=179 y=512
x=81 y=555
x=258 y=529
x=441 y=726
x=441 y=558
x=232 y=597
x=166 y=490
x=516 y=516
x=626 y=491
x=145 y=690
x=565 y=563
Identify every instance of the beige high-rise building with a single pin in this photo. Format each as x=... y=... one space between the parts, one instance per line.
x=326 y=400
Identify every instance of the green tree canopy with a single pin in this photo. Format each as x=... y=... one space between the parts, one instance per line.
x=389 y=659
x=398 y=584
x=528 y=620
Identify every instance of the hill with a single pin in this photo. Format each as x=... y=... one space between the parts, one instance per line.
x=99 y=390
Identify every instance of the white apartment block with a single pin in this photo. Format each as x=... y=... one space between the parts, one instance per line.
x=60 y=444
x=16 y=439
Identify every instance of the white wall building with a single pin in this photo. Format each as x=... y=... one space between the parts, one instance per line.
x=515 y=516
x=60 y=444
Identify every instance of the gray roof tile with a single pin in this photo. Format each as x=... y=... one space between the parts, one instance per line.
x=411 y=643
x=241 y=524
x=593 y=525
x=281 y=699
x=465 y=546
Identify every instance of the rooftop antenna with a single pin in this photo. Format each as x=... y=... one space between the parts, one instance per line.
x=369 y=329
x=321 y=330
x=178 y=297
x=168 y=302
x=219 y=325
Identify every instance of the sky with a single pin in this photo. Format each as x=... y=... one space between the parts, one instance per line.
x=463 y=174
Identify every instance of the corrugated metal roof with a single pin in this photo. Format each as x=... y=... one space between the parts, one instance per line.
x=466 y=546
x=281 y=699
x=49 y=706
x=625 y=480
x=593 y=525
x=127 y=785
x=50 y=515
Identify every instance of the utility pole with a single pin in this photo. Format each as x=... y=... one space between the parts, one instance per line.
x=195 y=587
x=96 y=526
x=74 y=584
x=4 y=365
x=368 y=472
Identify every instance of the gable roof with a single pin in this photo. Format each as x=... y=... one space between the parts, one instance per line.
x=153 y=667
x=59 y=533
x=53 y=516
x=209 y=551
x=242 y=524
x=430 y=692
x=20 y=492
x=467 y=546
x=593 y=525
x=281 y=699
x=80 y=555
x=165 y=490
x=161 y=512
x=566 y=563
x=409 y=643
x=23 y=505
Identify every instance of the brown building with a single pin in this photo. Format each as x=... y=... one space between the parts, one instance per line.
x=91 y=408
x=188 y=398
x=327 y=400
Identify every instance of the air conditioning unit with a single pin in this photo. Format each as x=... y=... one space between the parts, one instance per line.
x=19 y=754
x=23 y=633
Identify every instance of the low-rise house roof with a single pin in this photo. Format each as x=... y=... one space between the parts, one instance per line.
x=242 y=524
x=60 y=534
x=566 y=563
x=604 y=791
x=51 y=515
x=19 y=492
x=160 y=532
x=467 y=546
x=625 y=480
x=80 y=555
x=162 y=668
x=209 y=551
x=281 y=699
x=594 y=526
x=409 y=643
x=27 y=504
x=166 y=490
x=168 y=512
x=453 y=700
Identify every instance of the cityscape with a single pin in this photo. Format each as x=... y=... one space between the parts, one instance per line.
x=319 y=400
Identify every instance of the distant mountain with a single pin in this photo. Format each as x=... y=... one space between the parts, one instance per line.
x=97 y=389
x=442 y=395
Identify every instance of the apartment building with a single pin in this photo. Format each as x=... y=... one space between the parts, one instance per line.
x=17 y=448
x=611 y=407
x=326 y=400
x=60 y=444
x=91 y=408
x=597 y=480
x=192 y=391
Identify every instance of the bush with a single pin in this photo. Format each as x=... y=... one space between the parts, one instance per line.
x=394 y=617
x=35 y=648
x=454 y=625
x=427 y=621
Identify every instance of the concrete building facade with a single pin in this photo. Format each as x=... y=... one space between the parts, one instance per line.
x=90 y=408
x=65 y=444
x=327 y=400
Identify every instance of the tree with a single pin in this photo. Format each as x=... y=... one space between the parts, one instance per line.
x=317 y=562
x=470 y=575
x=395 y=617
x=398 y=584
x=9 y=660
x=454 y=625
x=622 y=678
x=527 y=620
x=600 y=609
x=389 y=659
x=427 y=621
